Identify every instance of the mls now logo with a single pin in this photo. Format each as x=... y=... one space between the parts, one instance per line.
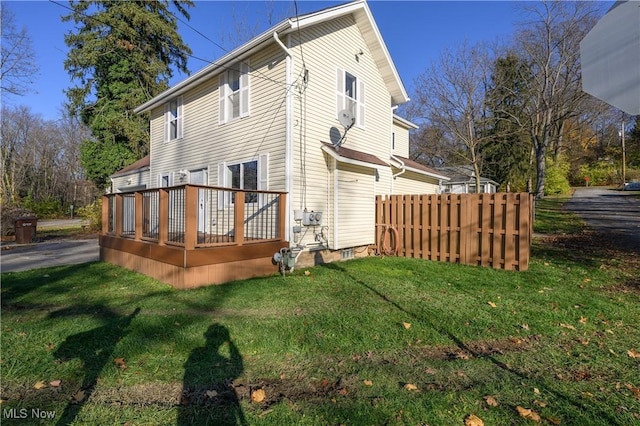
x=23 y=413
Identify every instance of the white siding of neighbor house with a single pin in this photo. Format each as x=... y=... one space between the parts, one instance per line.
x=328 y=47
x=207 y=144
x=134 y=179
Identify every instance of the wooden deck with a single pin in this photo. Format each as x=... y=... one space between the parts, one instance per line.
x=191 y=235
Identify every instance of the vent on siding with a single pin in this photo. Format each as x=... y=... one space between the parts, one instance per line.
x=346 y=254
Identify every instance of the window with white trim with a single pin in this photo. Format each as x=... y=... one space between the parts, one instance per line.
x=350 y=95
x=234 y=92
x=173 y=119
x=247 y=175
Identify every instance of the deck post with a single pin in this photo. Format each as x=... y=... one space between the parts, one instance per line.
x=118 y=215
x=105 y=215
x=138 y=216
x=190 y=217
x=163 y=216
x=238 y=218
x=282 y=216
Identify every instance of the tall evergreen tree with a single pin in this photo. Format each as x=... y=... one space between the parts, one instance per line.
x=507 y=153
x=122 y=54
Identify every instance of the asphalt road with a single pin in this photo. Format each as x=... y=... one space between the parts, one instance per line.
x=616 y=213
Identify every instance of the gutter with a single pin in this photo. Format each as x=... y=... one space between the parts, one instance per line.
x=403 y=167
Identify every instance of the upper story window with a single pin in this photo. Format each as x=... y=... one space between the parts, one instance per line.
x=234 y=92
x=350 y=95
x=173 y=119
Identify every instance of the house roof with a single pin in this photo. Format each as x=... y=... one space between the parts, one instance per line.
x=412 y=166
x=142 y=163
x=364 y=19
x=351 y=156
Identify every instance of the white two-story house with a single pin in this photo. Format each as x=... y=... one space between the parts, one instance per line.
x=306 y=108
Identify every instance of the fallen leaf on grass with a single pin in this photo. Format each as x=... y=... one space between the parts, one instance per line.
x=307 y=273
x=410 y=387
x=258 y=396
x=525 y=326
x=552 y=420
x=491 y=401
x=526 y=413
x=473 y=420
x=406 y=325
x=212 y=393
x=633 y=354
x=536 y=391
x=368 y=383
x=634 y=390
x=40 y=385
x=540 y=403
x=78 y=397
x=120 y=363
x=493 y=305
x=569 y=326
x=583 y=320
x=55 y=383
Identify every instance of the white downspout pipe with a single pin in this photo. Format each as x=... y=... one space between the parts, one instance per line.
x=288 y=164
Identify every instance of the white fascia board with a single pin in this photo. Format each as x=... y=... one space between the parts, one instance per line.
x=406 y=123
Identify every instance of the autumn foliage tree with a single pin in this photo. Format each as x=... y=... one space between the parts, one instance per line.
x=122 y=54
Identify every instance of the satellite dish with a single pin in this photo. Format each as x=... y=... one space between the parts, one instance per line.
x=346 y=118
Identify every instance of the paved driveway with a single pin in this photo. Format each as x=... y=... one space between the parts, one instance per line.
x=616 y=213
x=43 y=255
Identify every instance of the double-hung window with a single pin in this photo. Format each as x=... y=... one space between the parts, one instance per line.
x=234 y=92
x=173 y=119
x=250 y=175
x=245 y=176
x=350 y=95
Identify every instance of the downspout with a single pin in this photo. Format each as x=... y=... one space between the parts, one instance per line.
x=288 y=164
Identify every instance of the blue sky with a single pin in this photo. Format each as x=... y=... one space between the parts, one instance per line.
x=415 y=33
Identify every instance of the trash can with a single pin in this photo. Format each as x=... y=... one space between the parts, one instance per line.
x=25 y=228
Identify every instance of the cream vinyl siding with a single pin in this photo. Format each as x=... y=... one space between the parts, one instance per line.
x=323 y=59
x=415 y=183
x=206 y=142
x=355 y=206
x=401 y=141
x=133 y=180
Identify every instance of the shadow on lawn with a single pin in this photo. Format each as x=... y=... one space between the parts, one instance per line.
x=95 y=348
x=208 y=396
x=466 y=348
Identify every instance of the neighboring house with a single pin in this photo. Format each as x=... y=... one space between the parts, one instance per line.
x=267 y=116
x=463 y=181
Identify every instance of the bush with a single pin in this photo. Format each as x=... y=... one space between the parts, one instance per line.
x=557 y=180
x=93 y=213
x=600 y=173
x=47 y=208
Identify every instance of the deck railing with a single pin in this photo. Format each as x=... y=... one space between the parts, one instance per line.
x=195 y=216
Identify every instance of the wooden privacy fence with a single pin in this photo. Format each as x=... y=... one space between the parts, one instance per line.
x=474 y=229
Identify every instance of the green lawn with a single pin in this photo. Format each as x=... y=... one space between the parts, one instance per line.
x=364 y=342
